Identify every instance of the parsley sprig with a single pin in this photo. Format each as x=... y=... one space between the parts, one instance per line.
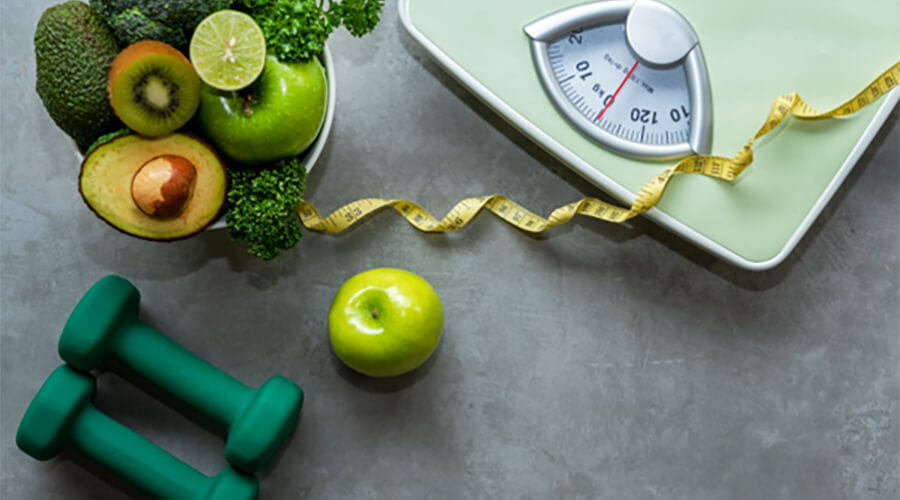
x=296 y=30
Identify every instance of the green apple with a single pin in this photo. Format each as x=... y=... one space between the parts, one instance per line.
x=385 y=322
x=276 y=117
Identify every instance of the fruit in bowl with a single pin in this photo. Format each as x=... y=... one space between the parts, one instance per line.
x=158 y=189
x=229 y=50
x=74 y=49
x=117 y=62
x=278 y=116
x=153 y=88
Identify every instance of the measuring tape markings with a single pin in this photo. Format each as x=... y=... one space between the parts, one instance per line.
x=718 y=167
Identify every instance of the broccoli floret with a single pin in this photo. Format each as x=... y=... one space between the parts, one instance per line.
x=171 y=21
x=132 y=25
x=262 y=206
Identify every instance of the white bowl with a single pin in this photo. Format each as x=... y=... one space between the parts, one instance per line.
x=311 y=155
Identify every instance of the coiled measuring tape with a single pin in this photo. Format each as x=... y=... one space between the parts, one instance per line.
x=718 y=167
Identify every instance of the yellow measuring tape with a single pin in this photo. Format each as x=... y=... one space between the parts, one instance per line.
x=718 y=167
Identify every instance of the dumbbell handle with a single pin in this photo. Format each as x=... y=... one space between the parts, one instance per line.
x=182 y=374
x=135 y=459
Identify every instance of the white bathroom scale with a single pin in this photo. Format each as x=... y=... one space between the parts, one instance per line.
x=618 y=90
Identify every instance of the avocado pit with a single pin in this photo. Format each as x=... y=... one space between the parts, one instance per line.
x=162 y=186
x=192 y=184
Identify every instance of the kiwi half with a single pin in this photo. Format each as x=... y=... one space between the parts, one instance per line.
x=153 y=88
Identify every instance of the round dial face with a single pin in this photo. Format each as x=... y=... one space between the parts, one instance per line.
x=629 y=74
x=604 y=80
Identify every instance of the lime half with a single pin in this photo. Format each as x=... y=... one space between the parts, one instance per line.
x=228 y=50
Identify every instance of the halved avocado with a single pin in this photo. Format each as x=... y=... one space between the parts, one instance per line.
x=188 y=194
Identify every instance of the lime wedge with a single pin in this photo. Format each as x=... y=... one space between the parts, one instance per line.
x=228 y=50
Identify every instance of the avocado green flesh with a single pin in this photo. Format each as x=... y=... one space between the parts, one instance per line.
x=108 y=170
x=74 y=49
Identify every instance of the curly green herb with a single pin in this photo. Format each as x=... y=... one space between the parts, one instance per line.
x=262 y=206
x=296 y=30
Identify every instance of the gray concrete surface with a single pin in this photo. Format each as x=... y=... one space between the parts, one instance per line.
x=593 y=362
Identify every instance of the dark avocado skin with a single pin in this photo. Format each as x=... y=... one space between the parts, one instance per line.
x=109 y=141
x=74 y=49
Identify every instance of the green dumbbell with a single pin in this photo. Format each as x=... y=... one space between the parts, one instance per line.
x=61 y=416
x=104 y=326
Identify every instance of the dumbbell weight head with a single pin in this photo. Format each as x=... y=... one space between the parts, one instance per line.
x=108 y=308
x=232 y=485
x=258 y=433
x=44 y=431
x=61 y=416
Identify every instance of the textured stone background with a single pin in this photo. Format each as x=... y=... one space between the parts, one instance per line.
x=593 y=362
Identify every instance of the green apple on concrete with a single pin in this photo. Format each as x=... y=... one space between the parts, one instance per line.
x=385 y=322
x=276 y=117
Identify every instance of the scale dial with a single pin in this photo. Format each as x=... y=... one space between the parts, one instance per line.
x=628 y=74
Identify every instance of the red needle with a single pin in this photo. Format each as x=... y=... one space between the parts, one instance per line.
x=617 y=91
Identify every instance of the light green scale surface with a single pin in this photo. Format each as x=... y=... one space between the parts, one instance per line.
x=825 y=51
